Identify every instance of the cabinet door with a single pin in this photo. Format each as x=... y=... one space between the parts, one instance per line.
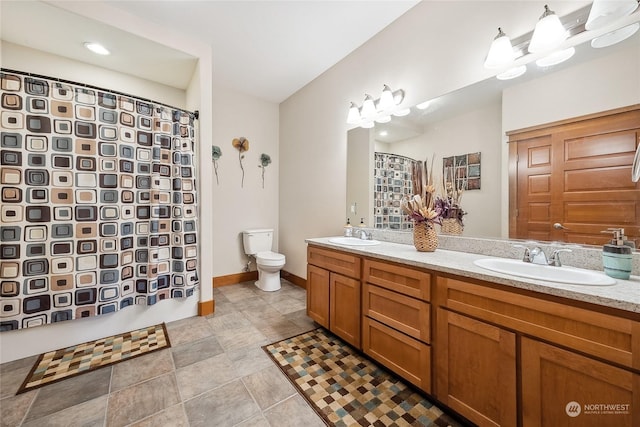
x=318 y=295
x=476 y=369
x=344 y=311
x=562 y=388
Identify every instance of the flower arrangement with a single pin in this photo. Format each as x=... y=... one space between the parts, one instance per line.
x=241 y=144
x=423 y=207
x=216 y=153
x=452 y=190
x=265 y=160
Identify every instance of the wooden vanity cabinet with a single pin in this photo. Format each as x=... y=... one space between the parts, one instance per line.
x=333 y=292
x=396 y=324
x=563 y=352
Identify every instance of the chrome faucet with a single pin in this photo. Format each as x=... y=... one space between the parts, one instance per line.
x=537 y=256
x=363 y=234
x=554 y=259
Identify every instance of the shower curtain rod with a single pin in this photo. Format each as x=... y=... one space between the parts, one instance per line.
x=194 y=114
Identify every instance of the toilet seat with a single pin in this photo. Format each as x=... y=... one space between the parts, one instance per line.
x=268 y=258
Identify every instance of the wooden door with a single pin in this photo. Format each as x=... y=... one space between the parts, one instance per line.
x=577 y=174
x=318 y=295
x=476 y=369
x=344 y=308
x=561 y=388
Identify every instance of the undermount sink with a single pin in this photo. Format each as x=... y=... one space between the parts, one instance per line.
x=353 y=241
x=570 y=275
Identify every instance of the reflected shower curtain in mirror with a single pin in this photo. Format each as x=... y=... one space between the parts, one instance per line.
x=98 y=201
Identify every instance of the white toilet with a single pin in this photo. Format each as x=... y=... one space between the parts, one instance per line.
x=258 y=243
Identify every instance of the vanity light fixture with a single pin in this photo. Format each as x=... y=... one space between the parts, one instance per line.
x=501 y=52
x=605 y=12
x=97 y=48
x=377 y=110
x=548 y=33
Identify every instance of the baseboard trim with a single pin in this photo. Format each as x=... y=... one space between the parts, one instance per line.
x=206 y=307
x=296 y=280
x=232 y=279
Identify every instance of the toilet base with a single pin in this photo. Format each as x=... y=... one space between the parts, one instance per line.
x=268 y=281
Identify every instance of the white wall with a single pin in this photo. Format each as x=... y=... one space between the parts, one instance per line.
x=431 y=50
x=360 y=177
x=235 y=207
x=26 y=342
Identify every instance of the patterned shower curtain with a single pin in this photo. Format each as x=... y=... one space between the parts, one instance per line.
x=98 y=201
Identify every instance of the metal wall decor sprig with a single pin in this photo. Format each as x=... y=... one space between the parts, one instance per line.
x=216 y=153
x=265 y=160
x=242 y=145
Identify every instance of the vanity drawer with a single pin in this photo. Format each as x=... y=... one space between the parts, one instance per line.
x=399 y=278
x=338 y=262
x=406 y=314
x=406 y=356
x=606 y=336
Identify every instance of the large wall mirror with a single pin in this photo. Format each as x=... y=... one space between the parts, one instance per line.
x=477 y=118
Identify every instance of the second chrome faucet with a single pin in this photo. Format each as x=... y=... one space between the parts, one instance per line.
x=537 y=256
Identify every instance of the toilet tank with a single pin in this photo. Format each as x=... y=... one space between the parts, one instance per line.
x=257 y=240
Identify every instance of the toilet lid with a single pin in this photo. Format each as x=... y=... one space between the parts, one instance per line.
x=269 y=256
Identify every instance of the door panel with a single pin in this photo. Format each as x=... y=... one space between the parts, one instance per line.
x=577 y=174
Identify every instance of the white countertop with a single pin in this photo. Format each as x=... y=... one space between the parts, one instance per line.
x=624 y=295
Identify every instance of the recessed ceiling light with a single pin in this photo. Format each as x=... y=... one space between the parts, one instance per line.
x=383 y=133
x=97 y=48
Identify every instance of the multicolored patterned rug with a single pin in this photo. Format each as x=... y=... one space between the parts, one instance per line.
x=346 y=389
x=75 y=360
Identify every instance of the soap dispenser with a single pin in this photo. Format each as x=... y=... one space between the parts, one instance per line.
x=616 y=255
x=348 y=229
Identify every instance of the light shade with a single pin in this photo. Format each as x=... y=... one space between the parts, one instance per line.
x=386 y=103
x=383 y=119
x=353 y=118
x=368 y=108
x=556 y=57
x=605 y=12
x=500 y=53
x=548 y=34
x=615 y=36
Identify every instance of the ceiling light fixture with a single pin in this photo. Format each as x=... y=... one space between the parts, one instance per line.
x=378 y=110
x=97 y=48
x=548 y=33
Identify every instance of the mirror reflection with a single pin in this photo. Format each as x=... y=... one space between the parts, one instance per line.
x=477 y=119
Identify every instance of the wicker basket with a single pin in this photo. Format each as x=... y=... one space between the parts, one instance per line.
x=451 y=226
x=425 y=238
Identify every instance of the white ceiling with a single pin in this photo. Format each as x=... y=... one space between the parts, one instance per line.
x=266 y=48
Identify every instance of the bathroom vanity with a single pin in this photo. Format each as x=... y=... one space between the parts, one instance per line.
x=499 y=350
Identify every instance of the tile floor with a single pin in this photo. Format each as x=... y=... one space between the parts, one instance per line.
x=215 y=374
